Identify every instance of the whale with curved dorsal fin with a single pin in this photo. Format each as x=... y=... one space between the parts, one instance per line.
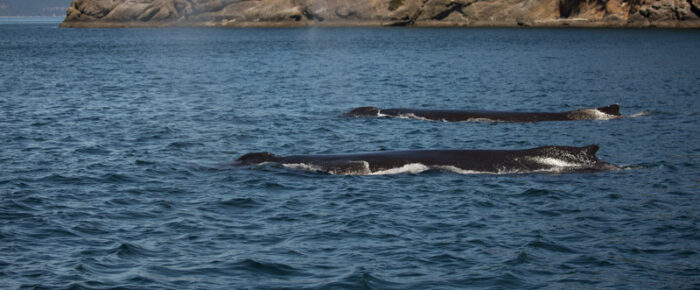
x=540 y=159
x=602 y=113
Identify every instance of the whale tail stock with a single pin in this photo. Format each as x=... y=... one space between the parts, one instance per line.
x=257 y=157
x=613 y=109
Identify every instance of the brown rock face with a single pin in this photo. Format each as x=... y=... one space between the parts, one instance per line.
x=289 y=13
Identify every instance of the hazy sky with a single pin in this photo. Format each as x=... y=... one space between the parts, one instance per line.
x=33 y=7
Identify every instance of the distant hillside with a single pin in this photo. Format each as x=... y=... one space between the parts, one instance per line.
x=33 y=7
x=286 y=13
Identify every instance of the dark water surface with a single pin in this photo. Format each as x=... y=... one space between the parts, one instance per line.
x=116 y=145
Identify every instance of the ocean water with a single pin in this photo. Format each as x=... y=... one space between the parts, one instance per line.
x=117 y=149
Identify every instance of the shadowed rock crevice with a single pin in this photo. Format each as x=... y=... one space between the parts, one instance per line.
x=310 y=15
x=567 y=8
x=694 y=7
x=149 y=14
x=451 y=7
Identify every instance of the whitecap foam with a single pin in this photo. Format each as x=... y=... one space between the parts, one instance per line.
x=361 y=168
x=640 y=114
x=550 y=164
x=483 y=120
x=349 y=169
x=604 y=116
x=413 y=116
x=412 y=168
x=458 y=170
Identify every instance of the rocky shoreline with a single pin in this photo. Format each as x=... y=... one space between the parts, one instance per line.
x=374 y=13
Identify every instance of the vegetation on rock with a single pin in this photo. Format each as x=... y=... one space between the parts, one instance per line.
x=395 y=4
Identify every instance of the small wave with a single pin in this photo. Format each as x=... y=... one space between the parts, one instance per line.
x=144 y=162
x=550 y=246
x=359 y=278
x=269 y=268
x=590 y=261
x=240 y=203
x=640 y=114
x=184 y=144
x=96 y=150
x=636 y=166
x=60 y=179
x=123 y=250
x=522 y=258
x=535 y=192
x=116 y=178
x=126 y=250
x=96 y=266
x=90 y=228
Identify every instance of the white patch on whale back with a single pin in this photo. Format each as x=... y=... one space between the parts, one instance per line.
x=412 y=168
x=591 y=114
x=302 y=166
x=556 y=165
x=554 y=162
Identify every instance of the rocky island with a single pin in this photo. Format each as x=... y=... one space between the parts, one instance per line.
x=423 y=13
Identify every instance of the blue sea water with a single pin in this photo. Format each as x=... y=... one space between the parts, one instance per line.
x=116 y=152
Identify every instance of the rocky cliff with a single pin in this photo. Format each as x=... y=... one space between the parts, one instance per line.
x=290 y=13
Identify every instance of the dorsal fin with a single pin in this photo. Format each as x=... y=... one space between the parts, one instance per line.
x=613 y=109
x=590 y=149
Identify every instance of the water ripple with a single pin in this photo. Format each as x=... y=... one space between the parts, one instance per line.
x=119 y=147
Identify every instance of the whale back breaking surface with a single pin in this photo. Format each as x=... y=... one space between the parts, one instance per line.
x=602 y=113
x=613 y=109
x=553 y=159
x=256 y=158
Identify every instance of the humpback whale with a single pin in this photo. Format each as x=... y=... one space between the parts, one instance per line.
x=602 y=113
x=541 y=159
